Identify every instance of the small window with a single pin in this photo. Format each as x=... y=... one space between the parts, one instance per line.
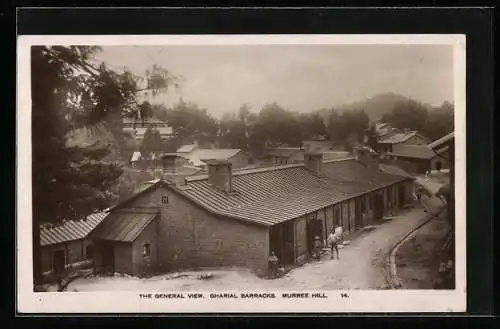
x=164 y=199
x=89 y=252
x=147 y=250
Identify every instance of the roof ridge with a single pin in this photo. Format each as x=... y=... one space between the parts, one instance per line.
x=339 y=160
x=248 y=171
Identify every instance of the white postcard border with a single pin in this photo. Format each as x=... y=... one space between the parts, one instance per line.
x=131 y=302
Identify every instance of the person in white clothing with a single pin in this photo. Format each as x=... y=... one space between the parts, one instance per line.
x=333 y=239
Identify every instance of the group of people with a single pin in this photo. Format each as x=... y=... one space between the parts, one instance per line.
x=333 y=240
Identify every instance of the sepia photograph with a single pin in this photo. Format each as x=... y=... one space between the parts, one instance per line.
x=234 y=169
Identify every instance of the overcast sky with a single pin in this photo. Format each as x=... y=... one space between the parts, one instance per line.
x=301 y=78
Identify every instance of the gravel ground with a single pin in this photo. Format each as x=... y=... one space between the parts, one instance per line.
x=361 y=266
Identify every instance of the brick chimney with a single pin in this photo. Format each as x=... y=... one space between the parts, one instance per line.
x=220 y=174
x=171 y=164
x=365 y=156
x=313 y=161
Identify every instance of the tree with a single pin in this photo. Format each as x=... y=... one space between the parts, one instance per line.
x=275 y=125
x=440 y=121
x=335 y=127
x=151 y=143
x=313 y=126
x=411 y=115
x=68 y=93
x=372 y=137
x=190 y=123
x=431 y=122
x=234 y=130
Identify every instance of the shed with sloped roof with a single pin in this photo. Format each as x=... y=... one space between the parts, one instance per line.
x=68 y=243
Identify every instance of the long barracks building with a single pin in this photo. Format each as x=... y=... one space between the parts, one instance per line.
x=236 y=218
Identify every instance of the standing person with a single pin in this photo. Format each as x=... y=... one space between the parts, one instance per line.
x=273 y=263
x=317 y=247
x=333 y=244
x=337 y=237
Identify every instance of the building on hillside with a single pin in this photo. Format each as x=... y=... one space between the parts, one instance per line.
x=284 y=155
x=68 y=243
x=139 y=160
x=137 y=127
x=197 y=156
x=441 y=147
x=237 y=218
x=407 y=137
x=415 y=159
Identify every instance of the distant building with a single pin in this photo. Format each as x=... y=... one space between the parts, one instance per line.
x=186 y=149
x=290 y=155
x=68 y=243
x=406 y=137
x=441 y=147
x=197 y=156
x=336 y=155
x=284 y=155
x=137 y=127
x=415 y=159
x=385 y=130
x=136 y=159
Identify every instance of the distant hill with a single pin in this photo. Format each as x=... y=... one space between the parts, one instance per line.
x=375 y=107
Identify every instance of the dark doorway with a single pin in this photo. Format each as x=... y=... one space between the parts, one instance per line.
x=314 y=228
x=108 y=258
x=89 y=252
x=282 y=243
x=402 y=193
x=59 y=261
x=438 y=166
x=289 y=241
x=358 y=209
x=378 y=211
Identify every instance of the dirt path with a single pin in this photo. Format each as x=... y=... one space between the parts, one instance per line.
x=361 y=266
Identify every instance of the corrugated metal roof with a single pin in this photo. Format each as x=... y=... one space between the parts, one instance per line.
x=198 y=156
x=70 y=230
x=123 y=226
x=332 y=155
x=394 y=170
x=283 y=151
x=187 y=148
x=272 y=195
x=443 y=140
x=318 y=145
x=413 y=151
x=399 y=137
